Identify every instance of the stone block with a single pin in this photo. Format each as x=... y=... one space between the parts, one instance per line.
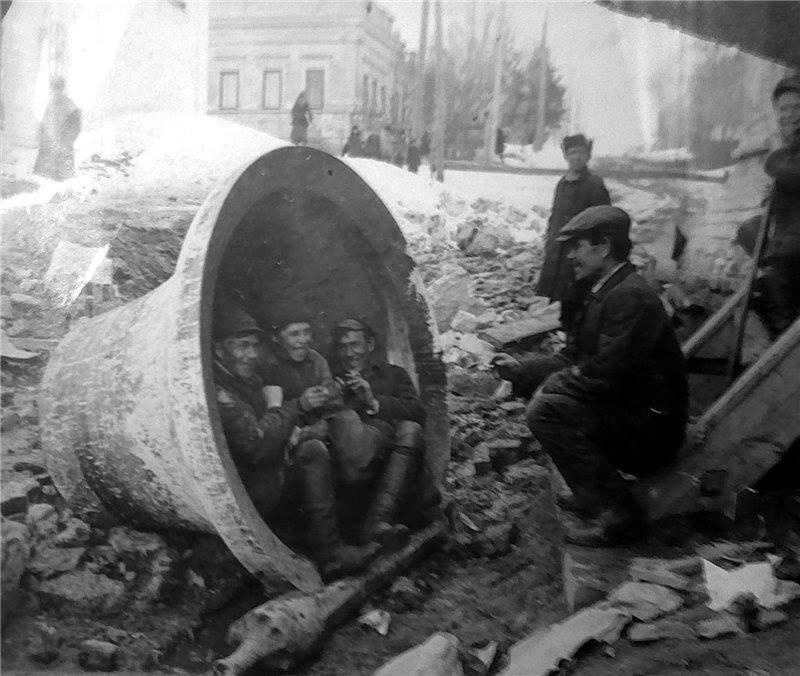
x=18 y=494
x=16 y=550
x=438 y=656
x=81 y=590
x=96 y=655
x=464 y=322
x=43 y=520
x=50 y=562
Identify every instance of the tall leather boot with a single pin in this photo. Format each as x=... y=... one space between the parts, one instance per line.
x=380 y=524
x=333 y=557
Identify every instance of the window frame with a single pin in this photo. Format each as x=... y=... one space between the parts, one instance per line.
x=222 y=75
x=315 y=69
x=264 y=73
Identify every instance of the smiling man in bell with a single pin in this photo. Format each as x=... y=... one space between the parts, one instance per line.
x=615 y=400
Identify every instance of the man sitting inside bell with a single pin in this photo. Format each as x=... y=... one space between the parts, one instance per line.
x=615 y=399
x=378 y=443
x=282 y=473
x=289 y=361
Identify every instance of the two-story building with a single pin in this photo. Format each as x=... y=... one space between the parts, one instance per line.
x=343 y=54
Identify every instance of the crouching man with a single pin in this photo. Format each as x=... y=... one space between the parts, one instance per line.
x=615 y=399
x=281 y=472
x=378 y=438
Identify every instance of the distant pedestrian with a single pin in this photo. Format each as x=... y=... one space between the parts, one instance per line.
x=301 y=118
x=400 y=148
x=500 y=143
x=372 y=147
x=413 y=158
x=353 y=147
x=577 y=190
x=425 y=144
x=58 y=130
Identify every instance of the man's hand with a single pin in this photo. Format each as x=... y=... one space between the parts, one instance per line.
x=506 y=366
x=359 y=386
x=314 y=397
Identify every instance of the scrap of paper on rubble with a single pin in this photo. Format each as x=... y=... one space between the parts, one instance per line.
x=723 y=586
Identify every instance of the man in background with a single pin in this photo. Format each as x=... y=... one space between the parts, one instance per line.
x=58 y=130
x=577 y=190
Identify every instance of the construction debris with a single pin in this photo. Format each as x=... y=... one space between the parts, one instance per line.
x=543 y=651
x=645 y=601
x=438 y=656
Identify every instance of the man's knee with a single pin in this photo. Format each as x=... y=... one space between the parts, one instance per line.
x=310 y=452
x=408 y=434
x=547 y=405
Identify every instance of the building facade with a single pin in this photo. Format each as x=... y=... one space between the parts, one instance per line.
x=343 y=54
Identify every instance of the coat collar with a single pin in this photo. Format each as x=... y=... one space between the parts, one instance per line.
x=621 y=273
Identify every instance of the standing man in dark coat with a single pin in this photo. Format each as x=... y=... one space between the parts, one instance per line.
x=58 y=130
x=378 y=439
x=301 y=118
x=413 y=157
x=616 y=398
x=282 y=472
x=776 y=291
x=577 y=190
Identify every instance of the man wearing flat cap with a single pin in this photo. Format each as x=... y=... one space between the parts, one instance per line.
x=378 y=440
x=616 y=398
x=776 y=291
x=282 y=473
x=578 y=189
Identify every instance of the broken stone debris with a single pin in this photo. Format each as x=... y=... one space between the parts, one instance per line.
x=438 y=656
x=97 y=655
x=645 y=601
x=723 y=586
x=645 y=632
x=376 y=619
x=543 y=651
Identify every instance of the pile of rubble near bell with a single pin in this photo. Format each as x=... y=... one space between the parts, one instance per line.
x=724 y=589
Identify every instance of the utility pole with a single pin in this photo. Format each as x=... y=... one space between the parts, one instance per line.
x=538 y=140
x=418 y=123
x=437 y=146
x=493 y=118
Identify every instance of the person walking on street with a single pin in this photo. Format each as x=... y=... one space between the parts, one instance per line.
x=58 y=130
x=578 y=189
x=301 y=118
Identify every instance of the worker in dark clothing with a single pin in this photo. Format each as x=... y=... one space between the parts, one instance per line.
x=282 y=472
x=500 y=143
x=301 y=118
x=616 y=398
x=413 y=157
x=378 y=439
x=353 y=146
x=578 y=189
x=776 y=291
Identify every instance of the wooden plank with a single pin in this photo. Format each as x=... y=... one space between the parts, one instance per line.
x=514 y=332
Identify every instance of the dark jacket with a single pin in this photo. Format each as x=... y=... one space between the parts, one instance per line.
x=625 y=348
x=397 y=397
x=256 y=435
x=784 y=242
x=556 y=281
x=276 y=368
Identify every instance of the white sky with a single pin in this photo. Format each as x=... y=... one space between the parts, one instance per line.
x=603 y=57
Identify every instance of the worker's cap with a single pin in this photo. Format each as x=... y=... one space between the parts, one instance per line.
x=288 y=311
x=350 y=324
x=576 y=141
x=604 y=219
x=234 y=322
x=787 y=84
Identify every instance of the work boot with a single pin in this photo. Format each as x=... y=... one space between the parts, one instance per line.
x=333 y=557
x=380 y=524
x=611 y=527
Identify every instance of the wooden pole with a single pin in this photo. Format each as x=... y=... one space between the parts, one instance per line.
x=437 y=149
x=493 y=119
x=734 y=362
x=418 y=122
x=542 y=98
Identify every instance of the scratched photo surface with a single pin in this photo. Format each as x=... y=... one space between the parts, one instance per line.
x=400 y=336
